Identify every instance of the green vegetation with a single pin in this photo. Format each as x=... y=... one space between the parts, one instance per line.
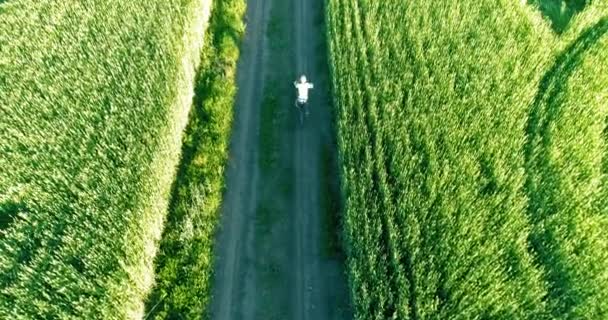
x=184 y=265
x=559 y=12
x=474 y=173
x=94 y=96
x=564 y=165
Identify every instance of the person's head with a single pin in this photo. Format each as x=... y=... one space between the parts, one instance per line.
x=303 y=79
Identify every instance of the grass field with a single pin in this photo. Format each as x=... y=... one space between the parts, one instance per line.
x=472 y=138
x=94 y=96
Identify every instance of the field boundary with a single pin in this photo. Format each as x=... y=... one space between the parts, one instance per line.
x=184 y=266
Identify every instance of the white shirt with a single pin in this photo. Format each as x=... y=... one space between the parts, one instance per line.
x=303 y=90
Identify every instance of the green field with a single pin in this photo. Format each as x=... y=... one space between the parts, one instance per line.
x=94 y=96
x=472 y=139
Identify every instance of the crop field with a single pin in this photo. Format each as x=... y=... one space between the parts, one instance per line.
x=94 y=96
x=472 y=150
x=472 y=137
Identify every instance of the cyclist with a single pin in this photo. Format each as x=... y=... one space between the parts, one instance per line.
x=303 y=86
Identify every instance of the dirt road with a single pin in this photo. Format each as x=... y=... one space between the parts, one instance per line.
x=270 y=258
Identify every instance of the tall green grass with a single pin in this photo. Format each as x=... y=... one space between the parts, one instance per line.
x=184 y=264
x=94 y=96
x=473 y=152
x=566 y=182
x=432 y=105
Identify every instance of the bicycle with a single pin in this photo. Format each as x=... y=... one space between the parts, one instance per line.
x=302 y=111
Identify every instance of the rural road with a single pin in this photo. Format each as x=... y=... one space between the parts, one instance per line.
x=270 y=261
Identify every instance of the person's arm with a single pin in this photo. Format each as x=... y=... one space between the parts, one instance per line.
x=310 y=86
x=295 y=84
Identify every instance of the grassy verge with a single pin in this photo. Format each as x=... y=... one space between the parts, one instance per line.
x=184 y=265
x=93 y=100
